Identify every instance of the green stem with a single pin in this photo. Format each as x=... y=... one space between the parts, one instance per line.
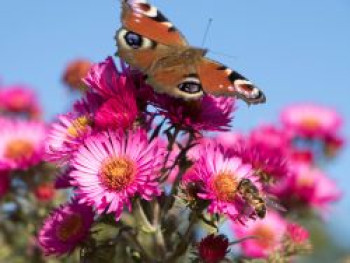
x=157 y=224
x=182 y=246
x=144 y=222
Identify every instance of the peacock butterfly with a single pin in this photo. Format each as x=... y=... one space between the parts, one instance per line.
x=149 y=42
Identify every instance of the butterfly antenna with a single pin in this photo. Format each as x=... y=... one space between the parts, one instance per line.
x=206 y=31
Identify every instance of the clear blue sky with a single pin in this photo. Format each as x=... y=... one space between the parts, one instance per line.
x=295 y=50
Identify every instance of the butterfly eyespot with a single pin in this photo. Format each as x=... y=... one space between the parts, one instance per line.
x=190 y=87
x=133 y=40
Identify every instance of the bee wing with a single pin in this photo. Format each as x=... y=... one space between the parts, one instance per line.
x=273 y=203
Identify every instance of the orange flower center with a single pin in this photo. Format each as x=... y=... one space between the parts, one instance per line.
x=225 y=186
x=118 y=172
x=310 y=123
x=305 y=181
x=265 y=237
x=79 y=125
x=70 y=227
x=19 y=149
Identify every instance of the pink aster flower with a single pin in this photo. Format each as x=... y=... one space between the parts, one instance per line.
x=208 y=113
x=116 y=113
x=310 y=120
x=21 y=144
x=312 y=187
x=105 y=80
x=89 y=104
x=268 y=235
x=113 y=167
x=271 y=137
x=269 y=163
x=230 y=139
x=19 y=100
x=66 y=135
x=4 y=182
x=297 y=233
x=218 y=176
x=68 y=132
x=65 y=228
x=119 y=108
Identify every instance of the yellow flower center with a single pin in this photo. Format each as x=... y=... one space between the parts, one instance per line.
x=70 y=227
x=310 y=123
x=78 y=126
x=265 y=237
x=19 y=149
x=118 y=172
x=225 y=185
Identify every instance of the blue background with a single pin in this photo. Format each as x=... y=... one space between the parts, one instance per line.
x=295 y=50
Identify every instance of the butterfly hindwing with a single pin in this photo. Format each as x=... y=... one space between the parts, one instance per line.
x=144 y=19
x=219 y=80
x=179 y=79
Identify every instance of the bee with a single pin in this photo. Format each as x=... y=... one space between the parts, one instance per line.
x=251 y=194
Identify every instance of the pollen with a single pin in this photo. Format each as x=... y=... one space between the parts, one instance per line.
x=225 y=185
x=118 y=172
x=265 y=236
x=78 y=126
x=305 y=181
x=310 y=123
x=19 y=149
x=70 y=227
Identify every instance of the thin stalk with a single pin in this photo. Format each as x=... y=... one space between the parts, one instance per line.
x=145 y=223
x=159 y=238
x=182 y=246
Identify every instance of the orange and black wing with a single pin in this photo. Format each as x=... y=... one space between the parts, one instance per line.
x=219 y=80
x=146 y=20
x=146 y=36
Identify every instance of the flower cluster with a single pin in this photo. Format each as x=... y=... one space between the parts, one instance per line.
x=142 y=172
x=273 y=236
x=143 y=164
x=26 y=189
x=113 y=153
x=288 y=159
x=22 y=134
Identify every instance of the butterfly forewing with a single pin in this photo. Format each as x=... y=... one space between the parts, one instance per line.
x=142 y=18
x=139 y=51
